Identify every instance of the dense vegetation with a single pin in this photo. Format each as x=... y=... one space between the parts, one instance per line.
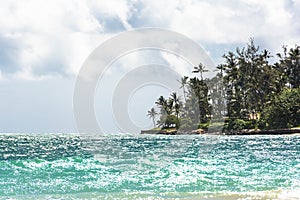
x=248 y=92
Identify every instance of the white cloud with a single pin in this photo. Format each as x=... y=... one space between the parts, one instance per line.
x=116 y=8
x=180 y=65
x=222 y=22
x=53 y=37
x=49 y=38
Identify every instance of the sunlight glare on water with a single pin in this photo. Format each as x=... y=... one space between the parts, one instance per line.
x=146 y=166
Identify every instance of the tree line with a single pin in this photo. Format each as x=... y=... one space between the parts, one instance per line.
x=247 y=92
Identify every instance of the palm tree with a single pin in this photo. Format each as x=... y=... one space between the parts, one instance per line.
x=199 y=90
x=220 y=69
x=183 y=82
x=200 y=69
x=177 y=105
x=151 y=114
x=293 y=62
x=170 y=105
x=162 y=103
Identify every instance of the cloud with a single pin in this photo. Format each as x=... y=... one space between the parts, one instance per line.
x=219 y=21
x=9 y=51
x=113 y=14
x=53 y=38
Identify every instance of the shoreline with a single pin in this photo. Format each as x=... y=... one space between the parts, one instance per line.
x=228 y=195
x=242 y=132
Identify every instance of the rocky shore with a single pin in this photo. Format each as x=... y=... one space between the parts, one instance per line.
x=242 y=132
x=173 y=132
x=268 y=132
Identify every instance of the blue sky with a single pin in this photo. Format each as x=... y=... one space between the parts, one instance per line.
x=43 y=45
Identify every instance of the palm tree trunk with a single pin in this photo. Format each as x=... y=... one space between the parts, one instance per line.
x=184 y=95
x=154 y=122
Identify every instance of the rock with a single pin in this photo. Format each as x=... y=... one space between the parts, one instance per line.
x=150 y=131
x=162 y=132
x=198 y=131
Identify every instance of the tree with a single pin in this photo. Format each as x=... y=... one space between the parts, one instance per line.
x=284 y=111
x=217 y=96
x=183 y=82
x=289 y=66
x=221 y=68
x=250 y=80
x=162 y=103
x=231 y=85
x=246 y=87
x=152 y=114
x=163 y=106
x=200 y=69
x=171 y=122
x=199 y=89
x=176 y=102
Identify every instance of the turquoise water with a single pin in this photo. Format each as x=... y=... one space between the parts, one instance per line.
x=78 y=166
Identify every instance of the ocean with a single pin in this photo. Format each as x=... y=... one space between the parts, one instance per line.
x=128 y=166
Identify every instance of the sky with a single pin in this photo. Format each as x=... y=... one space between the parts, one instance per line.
x=43 y=45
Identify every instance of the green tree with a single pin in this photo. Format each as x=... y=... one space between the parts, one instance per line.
x=246 y=85
x=200 y=69
x=152 y=114
x=199 y=89
x=183 y=82
x=177 y=104
x=231 y=81
x=168 y=107
x=284 y=111
x=163 y=106
x=289 y=66
x=171 y=121
x=162 y=103
x=250 y=81
x=217 y=96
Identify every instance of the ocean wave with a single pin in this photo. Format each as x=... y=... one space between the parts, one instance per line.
x=62 y=166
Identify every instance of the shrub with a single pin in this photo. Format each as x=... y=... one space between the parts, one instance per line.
x=284 y=111
x=171 y=121
x=203 y=126
x=186 y=124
